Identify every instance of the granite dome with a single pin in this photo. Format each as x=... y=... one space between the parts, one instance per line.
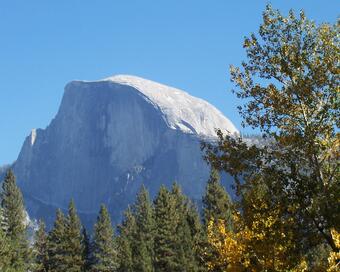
x=108 y=138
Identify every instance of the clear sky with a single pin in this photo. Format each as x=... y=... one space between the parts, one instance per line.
x=188 y=44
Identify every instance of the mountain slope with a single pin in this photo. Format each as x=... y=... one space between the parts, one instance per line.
x=109 y=137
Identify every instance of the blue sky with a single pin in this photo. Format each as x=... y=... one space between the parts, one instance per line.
x=187 y=44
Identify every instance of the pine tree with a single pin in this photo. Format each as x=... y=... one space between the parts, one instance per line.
x=197 y=235
x=13 y=207
x=216 y=209
x=144 y=240
x=186 y=233
x=87 y=253
x=216 y=201
x=73 y=236
x=127 y=233
x=5 y=250
x=166 y=237
x=40 y=249
x=104 y=251
x=57 y=244
x=14 y=218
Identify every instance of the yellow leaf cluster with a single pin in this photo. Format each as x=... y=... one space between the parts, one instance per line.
x=259 y=246
x=334 y=257
x=229 y=246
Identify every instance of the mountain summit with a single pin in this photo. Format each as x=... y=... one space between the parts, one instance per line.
x=111 y=136
x=180 y=110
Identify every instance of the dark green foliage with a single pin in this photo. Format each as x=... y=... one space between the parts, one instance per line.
x=187 y=231
x=5 y=250
x=124 y=254
x=216 y=201
x=87 y=253
x=13 y=207
x=74 y=248
x=65 y=247
x=166 y=257
x=14 y=224
x=104 y=251
x=197 y=237
x=177 y=232
x=136 y=239
x=57 y=244
x=144 y=239
x=40 y=249
x=127 y=232
x=163 y=237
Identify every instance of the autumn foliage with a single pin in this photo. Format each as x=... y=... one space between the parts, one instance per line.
x=287 y=212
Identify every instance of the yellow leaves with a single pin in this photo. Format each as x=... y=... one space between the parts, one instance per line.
x=301 y=267
x=260 y=240
x=336 y=237
x=228 y=246
x=247 y=43
x=334 y=257
x=233 y=249
x=290 y=85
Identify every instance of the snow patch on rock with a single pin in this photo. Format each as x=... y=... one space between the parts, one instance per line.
x=181 y=110
x=33 y=136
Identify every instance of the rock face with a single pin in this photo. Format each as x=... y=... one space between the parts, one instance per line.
x=111 y=136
